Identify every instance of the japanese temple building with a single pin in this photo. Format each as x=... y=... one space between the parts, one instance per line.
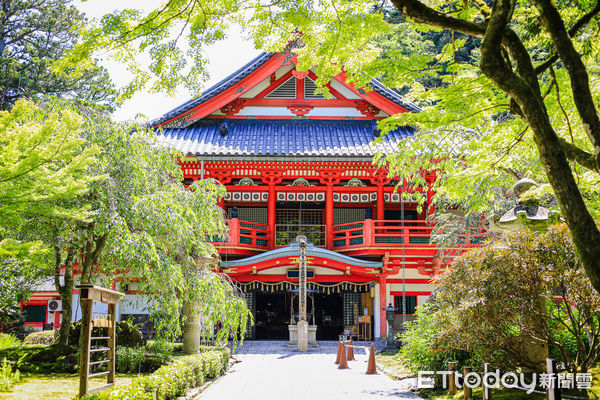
x=295 y=162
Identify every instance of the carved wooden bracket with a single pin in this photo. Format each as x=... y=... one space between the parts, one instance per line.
x=234 y=107
x=300 y=75
x=300 y=110
x=366 y=108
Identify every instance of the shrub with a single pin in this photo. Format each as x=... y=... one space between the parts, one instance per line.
x=173 y=380
x=42 y=358
x=8 y=378
x=140 y=359
x=507 y=302
x=8 y=340
x=127 y=334
x=43 y=337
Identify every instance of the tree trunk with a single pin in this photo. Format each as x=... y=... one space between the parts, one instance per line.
x=65 y=290
x=518 y=79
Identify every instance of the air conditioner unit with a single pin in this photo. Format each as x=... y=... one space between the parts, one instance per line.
x=54 y=305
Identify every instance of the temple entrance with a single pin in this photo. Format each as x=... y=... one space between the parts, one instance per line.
x=329 y=310
x=272 y=316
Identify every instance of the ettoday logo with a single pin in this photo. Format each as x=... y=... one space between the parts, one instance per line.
x=495 y=380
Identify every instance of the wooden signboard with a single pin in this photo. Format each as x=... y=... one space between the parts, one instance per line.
x=89 y=320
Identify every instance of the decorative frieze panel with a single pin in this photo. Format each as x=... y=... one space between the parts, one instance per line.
x=311 y=197
x=395 y=198
x=354 y=197
x=247 y=197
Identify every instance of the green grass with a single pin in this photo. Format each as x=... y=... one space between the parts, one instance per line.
x=390 y=362
x=594 y=392
x=7 y=341
x=54 y=386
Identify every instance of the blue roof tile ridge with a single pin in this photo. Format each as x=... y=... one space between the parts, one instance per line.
x=223 y=84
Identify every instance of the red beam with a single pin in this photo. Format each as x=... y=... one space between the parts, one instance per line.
x=318 y=279
x=300 y=102
x=372 y=97
x=232 y=93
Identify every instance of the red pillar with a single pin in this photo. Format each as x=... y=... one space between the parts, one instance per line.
x=271 y=215
x=329 y=216
x=382 y=304
x=380 y=202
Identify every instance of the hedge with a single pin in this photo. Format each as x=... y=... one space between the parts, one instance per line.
x=42 y=358
x=44 y=337
x=172 y=380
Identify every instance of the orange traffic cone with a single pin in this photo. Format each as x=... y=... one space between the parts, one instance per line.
x=351 y=351
x=339 y=353
x=343 y=359
x=371 y=366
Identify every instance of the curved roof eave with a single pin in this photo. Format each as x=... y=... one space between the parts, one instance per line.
x=294 y=250
x=249 y=68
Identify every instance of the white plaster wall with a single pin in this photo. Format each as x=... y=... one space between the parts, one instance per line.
x=410 y=273
x=134 y=304
x=256 y=89
x=334 y=112
x=270 y=111
x=422 y=300
x=412 y=287
x=96 y=308
x=343 y=90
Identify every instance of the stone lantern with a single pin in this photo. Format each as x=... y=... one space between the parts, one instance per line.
x=535 y=218
x=532 y=217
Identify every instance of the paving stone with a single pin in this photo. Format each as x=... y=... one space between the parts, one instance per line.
x=270 y=370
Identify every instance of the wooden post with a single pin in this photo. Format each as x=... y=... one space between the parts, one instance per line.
x=487 y=390
x=271 y=214
x=452 y=377
x=329 y=216
x=85 y=343
x=382 y=305
x=112 y=343
x=380 y=212
x=368 y=231
x=467 y=392
x=553 y=391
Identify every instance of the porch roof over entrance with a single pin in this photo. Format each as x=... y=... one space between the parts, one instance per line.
x=293 y=250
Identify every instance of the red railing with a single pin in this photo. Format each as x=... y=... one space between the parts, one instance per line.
x=381 y=233
x=245 y=233
x=360 y=234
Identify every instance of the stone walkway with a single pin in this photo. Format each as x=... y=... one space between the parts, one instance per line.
x=269 y=370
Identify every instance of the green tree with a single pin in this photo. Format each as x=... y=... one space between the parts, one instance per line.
x=526 y=92
x=145 y=226
x=43 y=163
x=33 y=36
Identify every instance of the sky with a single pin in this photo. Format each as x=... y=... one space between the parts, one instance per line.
x=224 y=58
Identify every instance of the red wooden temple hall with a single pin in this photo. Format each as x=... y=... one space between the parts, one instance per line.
x=295 y=162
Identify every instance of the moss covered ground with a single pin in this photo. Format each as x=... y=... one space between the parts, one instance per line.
x=54 y=386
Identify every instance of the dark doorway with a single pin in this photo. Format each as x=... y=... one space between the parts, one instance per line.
x=272 y=316
x=329 y=316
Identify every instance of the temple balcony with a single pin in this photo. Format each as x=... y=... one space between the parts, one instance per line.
x=367 y=237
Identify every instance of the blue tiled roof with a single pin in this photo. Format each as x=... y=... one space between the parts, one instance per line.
x=216 y=89
x=253 y=66
x=282 y=138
